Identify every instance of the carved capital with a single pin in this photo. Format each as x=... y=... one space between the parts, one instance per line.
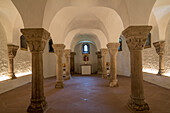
x=103 y=51
x=36 y=38
x=67 y=52
x=58 y=49
x=98 y=54
x=160 y=47
x=136 y=36
x=113 y=48
x=12 y=50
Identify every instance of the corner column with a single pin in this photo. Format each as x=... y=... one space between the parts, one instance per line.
x=136 y=37
x=67 y=57
x=104 y=56
x=113 y=50
x=160 y=49
x=99 y=62
x=12 y=51
x=36 y=39
x=72 y=54
x=59 y=50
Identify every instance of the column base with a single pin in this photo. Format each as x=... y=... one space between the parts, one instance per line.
x=113 y=83
x=104 y=76
x=12 y=75
x=37 y=106
x=138 y=106
x=67 y=77
x=99 y=73
x=59 y=84
x=161 y=72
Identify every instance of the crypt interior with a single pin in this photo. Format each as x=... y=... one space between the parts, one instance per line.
x=84 y=56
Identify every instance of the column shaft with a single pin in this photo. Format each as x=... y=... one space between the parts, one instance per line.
x=113 y=50
x=160 y=48
x=72 y=54
x=59 y=50
x=67 y=57
x=136 y=37
x=104 y=68
x=99 y=62
x=12 y=51
x=36 y=39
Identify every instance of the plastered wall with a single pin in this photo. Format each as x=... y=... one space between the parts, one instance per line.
x=79 y=58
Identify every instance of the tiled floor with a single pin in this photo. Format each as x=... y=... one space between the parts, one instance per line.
x=85 y=94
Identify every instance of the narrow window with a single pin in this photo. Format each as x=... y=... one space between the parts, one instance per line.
x=120 y=46
x=148 y=42
x=50 y=43
x=23 y=44
x=86 y=48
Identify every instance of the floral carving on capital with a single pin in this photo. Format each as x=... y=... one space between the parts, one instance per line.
x=160 y=47
x=36 y=38
x=58 y=49
x=136 y=36
x=67 y=53
x=113 y=48
x=104 y=52
x=12 y=50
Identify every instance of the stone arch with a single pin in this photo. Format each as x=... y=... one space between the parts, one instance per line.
x=95 y=14
x=12 y=23
x=99 y=38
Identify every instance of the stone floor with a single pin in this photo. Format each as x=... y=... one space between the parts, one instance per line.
x=85 y=94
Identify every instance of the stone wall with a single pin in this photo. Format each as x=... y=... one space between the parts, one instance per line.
x=22 y=61
x=151 y=58
x=3 y=52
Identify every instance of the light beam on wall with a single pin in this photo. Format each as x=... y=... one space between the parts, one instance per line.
x=6 y=77
x=154 y=71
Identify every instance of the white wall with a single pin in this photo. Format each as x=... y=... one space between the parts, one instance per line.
x=49 y=62
x=123 y=59
x=79 y=57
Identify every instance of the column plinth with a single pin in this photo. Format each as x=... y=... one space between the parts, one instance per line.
x=59 y=50
x=113 y=50
x=104 y=68
x=67 y=57
x=160 y=49
x=36 y=39
x=12 y=51
x=136 y=37
x=99 y=62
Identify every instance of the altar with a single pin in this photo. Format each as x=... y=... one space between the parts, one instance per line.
x=86 y=69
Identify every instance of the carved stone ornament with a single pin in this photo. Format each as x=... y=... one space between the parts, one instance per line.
x=136 y=36
x=36 y=38
x=113 y=48
x=58 y=49
x=98 y=54
x=160 y=47
x=67 y=53
x=12 y=50
x=104 y=51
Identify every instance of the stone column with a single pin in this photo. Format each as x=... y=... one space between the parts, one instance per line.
x=160 y=49
x=99 y=62
x=67 y=57
x=136 y=37
x=72 y=62
x=104 y=56
x=36 y=39
x=12 y=50
x=59 y=50
x=113 y=50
